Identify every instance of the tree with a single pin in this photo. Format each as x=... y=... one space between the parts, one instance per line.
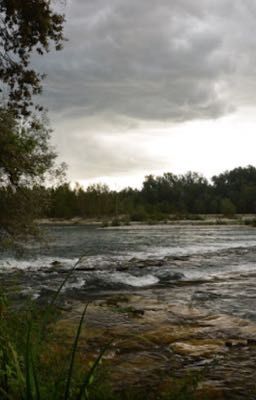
x=26 y=156
x=26 y=26
x=239 y=185
x=26 y=161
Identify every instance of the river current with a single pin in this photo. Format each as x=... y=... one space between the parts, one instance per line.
x=213 y=267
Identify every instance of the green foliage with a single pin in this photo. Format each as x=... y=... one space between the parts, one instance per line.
x=227 y=208
x=18 y=210
x=26 y=27
x=139 y=215
x=239 y=186
x=26 y=154
x=105 y=224
x=26 y=161
x=162 y=198
x=115 y=222
x=250 y=222
x=126 y=220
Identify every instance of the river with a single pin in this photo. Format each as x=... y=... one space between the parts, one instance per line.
x=177 y=299
x=216 y=263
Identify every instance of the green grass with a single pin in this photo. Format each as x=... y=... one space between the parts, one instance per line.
x=27 y=345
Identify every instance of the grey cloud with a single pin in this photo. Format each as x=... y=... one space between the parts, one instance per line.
x=142 y=61
x=89 y=156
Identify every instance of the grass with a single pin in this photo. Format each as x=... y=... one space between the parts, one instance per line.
x=30 y=367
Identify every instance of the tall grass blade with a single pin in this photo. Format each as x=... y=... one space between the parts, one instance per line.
x=29 y=394
x=90 y=374
x=50 y=305
x=34 y=372
x=4 y=370
x=73 y=353
x=19 y=374
x=56 y=294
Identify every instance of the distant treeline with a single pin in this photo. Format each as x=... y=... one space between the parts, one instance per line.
x=228 y=193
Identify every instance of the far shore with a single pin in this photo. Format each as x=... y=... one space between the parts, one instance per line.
x=198 y=219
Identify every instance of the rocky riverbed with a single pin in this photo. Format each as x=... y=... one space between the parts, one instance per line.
x=160 y=338
x=157 y=343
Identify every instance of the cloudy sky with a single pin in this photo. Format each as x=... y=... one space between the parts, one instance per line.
x=146 y=86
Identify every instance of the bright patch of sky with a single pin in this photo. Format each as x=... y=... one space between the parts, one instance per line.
x=207 y=147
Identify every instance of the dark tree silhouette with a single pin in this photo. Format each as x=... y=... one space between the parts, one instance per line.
x=26 y=27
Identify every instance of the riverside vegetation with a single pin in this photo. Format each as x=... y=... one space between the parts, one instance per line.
x=184 y=196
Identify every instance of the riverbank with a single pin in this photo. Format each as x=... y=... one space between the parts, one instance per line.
x=197 y=219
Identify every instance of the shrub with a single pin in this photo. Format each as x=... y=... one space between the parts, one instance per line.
x=115 y=222
x=105 y=224
x=227 y=208
x=139 y=215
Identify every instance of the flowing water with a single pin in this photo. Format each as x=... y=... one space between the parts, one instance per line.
x=208 y=266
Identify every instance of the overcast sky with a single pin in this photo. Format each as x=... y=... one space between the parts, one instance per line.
x=147 y=86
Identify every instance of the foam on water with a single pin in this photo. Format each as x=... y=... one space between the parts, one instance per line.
x=99 y=262
x=192 y=249
x=131 y=280
x=78 y=284
x=9 y=264
x=111 y=280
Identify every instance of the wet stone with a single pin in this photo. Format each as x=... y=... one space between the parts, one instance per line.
x=55 y=263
